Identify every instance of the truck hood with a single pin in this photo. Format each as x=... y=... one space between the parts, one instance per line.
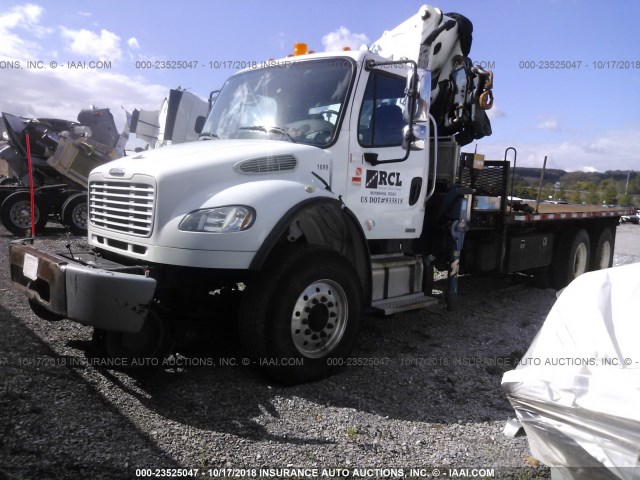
x=270 y=178
x=204 y=156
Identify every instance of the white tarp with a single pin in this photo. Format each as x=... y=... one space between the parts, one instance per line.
x=576 y=391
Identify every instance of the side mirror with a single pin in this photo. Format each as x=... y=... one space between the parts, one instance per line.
x=200 y=121
x=424 y=96
x=414 y=137
x=417 y=95
x=416 y=108
x=411 y=95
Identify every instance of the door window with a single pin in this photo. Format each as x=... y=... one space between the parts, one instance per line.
x=381 y=121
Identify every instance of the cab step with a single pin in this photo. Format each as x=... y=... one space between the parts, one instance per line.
x=412 y=301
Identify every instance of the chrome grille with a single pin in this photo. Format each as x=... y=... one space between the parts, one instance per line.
x=125 y=207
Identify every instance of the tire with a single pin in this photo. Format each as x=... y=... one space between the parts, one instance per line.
x=15 y=213
x=304 y=309
x=602 y=254
x=43 y=313
x=571 y=258
x=75 y=213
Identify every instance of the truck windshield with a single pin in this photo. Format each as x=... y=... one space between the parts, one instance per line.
x=299 y=101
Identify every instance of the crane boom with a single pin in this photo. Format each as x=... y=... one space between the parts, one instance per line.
x=440 y=43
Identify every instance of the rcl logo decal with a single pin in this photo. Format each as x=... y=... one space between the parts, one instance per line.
x=379 y=178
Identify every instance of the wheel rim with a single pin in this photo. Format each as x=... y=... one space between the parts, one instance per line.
x=605 y=255
x=20 y=214
x=319 y=318
x=79 y=216
x=580 y=260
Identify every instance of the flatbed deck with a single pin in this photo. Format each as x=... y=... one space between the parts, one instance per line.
x=556 y=211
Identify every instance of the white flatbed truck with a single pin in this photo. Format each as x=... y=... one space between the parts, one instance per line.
x=325 y=185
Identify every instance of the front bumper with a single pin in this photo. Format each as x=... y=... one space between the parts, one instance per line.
x=83 y=287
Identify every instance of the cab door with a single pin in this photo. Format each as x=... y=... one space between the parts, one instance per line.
x=387 y=197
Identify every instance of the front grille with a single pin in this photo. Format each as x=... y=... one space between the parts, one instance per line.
x=124 y=207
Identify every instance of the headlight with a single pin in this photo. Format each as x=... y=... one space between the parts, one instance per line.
x=234 y=218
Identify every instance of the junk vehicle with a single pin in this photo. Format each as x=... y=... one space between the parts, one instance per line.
x=329 y=184
x=62 y=153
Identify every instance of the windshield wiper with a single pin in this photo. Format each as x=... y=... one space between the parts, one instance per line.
x=208 y=136
x=260 y=128
x=283 y=132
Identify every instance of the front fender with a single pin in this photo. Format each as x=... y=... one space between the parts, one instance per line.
x=326 y=222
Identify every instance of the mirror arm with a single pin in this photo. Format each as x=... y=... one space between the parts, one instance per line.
x=372 y=158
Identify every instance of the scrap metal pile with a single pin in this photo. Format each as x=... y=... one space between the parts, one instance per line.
x=62 y=154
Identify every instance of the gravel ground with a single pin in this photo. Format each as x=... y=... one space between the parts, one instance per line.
x=422 y=391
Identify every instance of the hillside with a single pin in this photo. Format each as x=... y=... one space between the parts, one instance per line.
x=554 y=175
x=610 y=187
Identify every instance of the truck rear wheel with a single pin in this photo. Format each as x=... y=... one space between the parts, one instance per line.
x=571 y=258
x=15 y=213
x=602 y=255
x=75 y=213
x=301 y=318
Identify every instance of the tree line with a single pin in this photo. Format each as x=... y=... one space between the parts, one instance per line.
x=608 y=188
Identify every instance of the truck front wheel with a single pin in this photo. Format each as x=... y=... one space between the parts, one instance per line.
x=300 y=319
x=75 y=212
